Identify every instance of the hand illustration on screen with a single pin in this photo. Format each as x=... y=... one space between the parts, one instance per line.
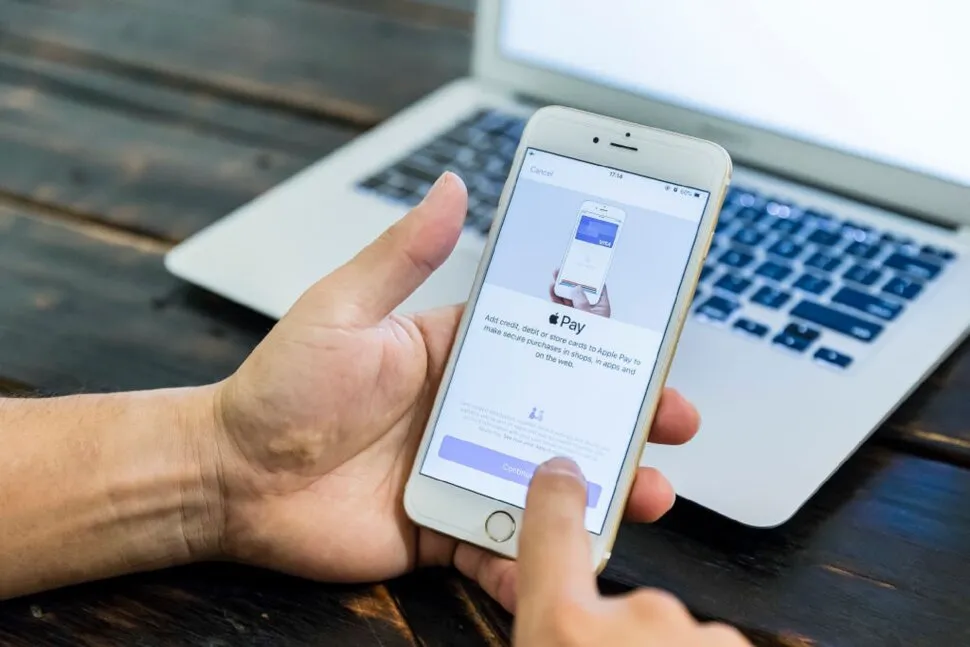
x=579 y=301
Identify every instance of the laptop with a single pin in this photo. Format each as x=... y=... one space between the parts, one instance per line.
x=840 y=273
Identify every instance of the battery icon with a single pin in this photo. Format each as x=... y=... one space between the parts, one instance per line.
x=697 y=195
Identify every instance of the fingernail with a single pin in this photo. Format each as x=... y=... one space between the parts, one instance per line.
x=442 y=180
x=563 y=465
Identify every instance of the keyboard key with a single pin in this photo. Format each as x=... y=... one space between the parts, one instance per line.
x=917 y=267
x=903 y=287
x=938 y=252
x=742 y=197
x=787 y=226
x=786 y=249
x=813 y=284
x=770 y=297
x=797 y=337
x=833 y=358
x=717 y=309
x=723 y=224
x=895 y=239
x=706 y=272
x=836 y=321
x=698 y=295
x=823 y=262
x=735 y=258
x=778 y=209
x=750 y=214
x=751 y=327
x=867 y=303
x=774 y=271
x=374 y=181
x=749 y=237
x=863 y=250
x=856 y=232
x=733 y=284
x=494 y=122
x=825 y=238
x=515 y=128
x=812 y=218
x=862 y=275
x=803 y=331
x=420 y=167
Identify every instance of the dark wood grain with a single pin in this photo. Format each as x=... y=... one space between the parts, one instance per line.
x=84 y=308
x=307 y=56
x=443 y=610
x=206 y=605
x=145 y=158
x=880 y=556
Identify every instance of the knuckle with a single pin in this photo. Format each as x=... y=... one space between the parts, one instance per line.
x=655 y=602
x=724 y=635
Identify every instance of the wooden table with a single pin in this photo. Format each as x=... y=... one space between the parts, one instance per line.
x=126 y=125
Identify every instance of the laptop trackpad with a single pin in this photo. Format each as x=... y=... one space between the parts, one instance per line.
x=449 y=285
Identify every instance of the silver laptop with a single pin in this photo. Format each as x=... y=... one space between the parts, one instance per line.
x=829 y=295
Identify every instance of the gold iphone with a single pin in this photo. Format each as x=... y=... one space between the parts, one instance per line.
x=571 y=325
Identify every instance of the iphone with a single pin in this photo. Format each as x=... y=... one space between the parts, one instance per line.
x=626 y=213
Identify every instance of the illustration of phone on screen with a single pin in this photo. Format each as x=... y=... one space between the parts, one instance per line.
x=589 y=255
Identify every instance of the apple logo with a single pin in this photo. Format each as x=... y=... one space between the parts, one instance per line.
x=554 y=319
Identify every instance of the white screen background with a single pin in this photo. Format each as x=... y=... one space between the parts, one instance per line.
x=887 y=80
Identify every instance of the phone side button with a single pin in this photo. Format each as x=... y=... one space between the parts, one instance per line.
x=500 y=526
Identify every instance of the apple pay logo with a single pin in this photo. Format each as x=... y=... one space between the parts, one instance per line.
x=565 y=321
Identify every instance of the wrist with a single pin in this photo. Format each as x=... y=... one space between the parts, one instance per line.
x=203 y=507
x=163 y=483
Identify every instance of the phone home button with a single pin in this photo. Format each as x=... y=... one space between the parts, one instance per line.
x=500 y=526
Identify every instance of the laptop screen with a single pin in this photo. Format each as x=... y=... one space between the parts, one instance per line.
x=882 y=80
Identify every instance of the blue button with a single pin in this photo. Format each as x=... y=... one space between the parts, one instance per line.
x=735 y=258
x=840 y=322
x=774 y=271
x=751 y=327
x=769 y=297
x=903 y=287
x=833 y=358
x=733 y=284
x=813 y=284
x=868 y=303
x=501 y=465
x=717 y=309
x=919 y=268
x=824 y=262
x=862 y=275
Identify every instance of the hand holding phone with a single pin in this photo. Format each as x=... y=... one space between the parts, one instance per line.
x=577 y=298
x=573 y=369
x=559 y=603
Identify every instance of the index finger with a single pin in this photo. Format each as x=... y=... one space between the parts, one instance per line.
x=554 y=550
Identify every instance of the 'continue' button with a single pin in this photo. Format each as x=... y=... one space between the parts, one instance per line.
x=501 y=465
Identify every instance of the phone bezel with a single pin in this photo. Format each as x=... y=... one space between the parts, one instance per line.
x=674 y=158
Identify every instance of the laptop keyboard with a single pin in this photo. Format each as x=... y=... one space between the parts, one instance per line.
x=830 y=280
x=479 y=149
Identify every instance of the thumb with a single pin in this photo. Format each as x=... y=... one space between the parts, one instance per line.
x=385 y=273
x=554 y=551
x=580 y=301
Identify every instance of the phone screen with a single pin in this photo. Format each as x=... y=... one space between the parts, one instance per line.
x=545 y=370
x=590 y=251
